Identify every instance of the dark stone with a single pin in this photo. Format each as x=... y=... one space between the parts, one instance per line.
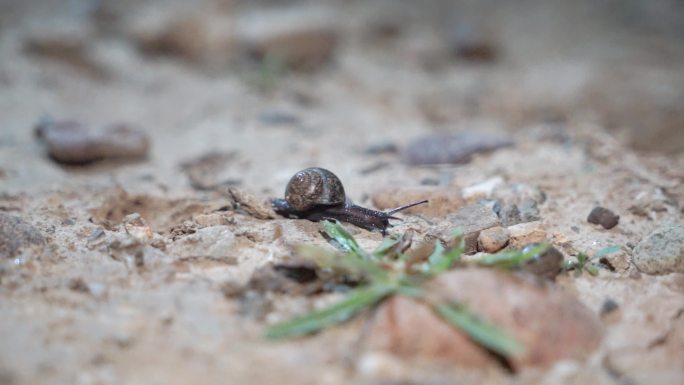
x=452 y=148
x=604 y=217
x=546 y=264
x=15 y=234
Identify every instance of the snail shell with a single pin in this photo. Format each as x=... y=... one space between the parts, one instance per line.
x=314 y=187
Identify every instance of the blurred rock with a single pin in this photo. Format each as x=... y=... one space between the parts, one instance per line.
x=381 y=148
x=211 y=170
x=68 y=49
x=518 y=193
x=251 y=205
x=452 y=148
x=300 y=37
x=217 y=242
x=136 y=226
x=550 y=323
x=468 y=41
x=482 y=190
x=510 y=215
x=72 y=142
x=16 y=234
x=662 y=251
x=604 y=217
x=470 y=220
x=207 y=39
x=441 y=201
x=523 y=234
x=529 y=212
x=546 y=264
x=493 y=239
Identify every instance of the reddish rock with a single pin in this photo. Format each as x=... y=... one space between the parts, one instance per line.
x=493 y=239
x=551 y=324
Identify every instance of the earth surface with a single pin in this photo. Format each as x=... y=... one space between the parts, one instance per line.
x=590 y=94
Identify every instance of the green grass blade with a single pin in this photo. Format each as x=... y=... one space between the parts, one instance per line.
x=592 y=268
x=337 y=232
x=349 y=263
x=385 y=247
x=509 y=259
x=480 y=331
x=354 y=302
x=607 y=250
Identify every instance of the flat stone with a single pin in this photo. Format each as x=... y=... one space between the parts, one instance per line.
x=493 y=239
x=470 y=220
x=662 y=251
x=453 y=148
x=441 y=201
x=524 y=234
x=16 y=234
x=73 y=142
x=550 y=323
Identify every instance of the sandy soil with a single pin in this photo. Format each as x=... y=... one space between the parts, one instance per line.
x=592 y=96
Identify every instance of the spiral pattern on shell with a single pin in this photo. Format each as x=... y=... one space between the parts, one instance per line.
x=313 y=187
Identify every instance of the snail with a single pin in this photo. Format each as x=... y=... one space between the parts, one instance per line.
x=317 y=194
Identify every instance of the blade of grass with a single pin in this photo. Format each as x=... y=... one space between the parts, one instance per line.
x=607 y=250
x=509 y=259
x=386 y=246
x=337 y=232
x=447 y=259
x=480 y=331
x=349 y=262
x=353 y=303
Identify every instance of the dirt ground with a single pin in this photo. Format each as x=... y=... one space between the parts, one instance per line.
x=592 y=95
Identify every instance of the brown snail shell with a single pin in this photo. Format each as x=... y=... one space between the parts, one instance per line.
x=314 y=187
x=317 y=194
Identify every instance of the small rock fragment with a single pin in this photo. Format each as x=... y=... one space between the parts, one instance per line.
x=546 y=264
x=441 y=201
x=662 y=251
x=529 y=212
x=510 y=215
x=470 y=42
x=482 y=190
x=381 y=148
x=550 y=323
x=471 y=220
x=72 y=142
x=523 y=234
x=452 y=148
x=258 y=208
x=604 y=217
x=493 y=239
x=518 y=193
x=211 y=170
x=212 y=219
x=16 y=234
x=135 y=225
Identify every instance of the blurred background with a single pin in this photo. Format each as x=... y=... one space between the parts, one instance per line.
x=618 y=63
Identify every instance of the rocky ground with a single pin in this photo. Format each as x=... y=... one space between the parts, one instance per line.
x=141 y=144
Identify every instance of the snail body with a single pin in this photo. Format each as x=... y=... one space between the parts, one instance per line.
x=317 y=194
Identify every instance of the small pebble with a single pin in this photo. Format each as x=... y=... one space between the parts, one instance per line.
x=452 y=148
x=546 y=264
x=72 y=142
x=493 y=239
x=523 y=234
x=510 y=215
x=662 y=251
x=381 y=148
x=529 y=212
x=604 y=217
x=608 y=306
x=471 y=220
